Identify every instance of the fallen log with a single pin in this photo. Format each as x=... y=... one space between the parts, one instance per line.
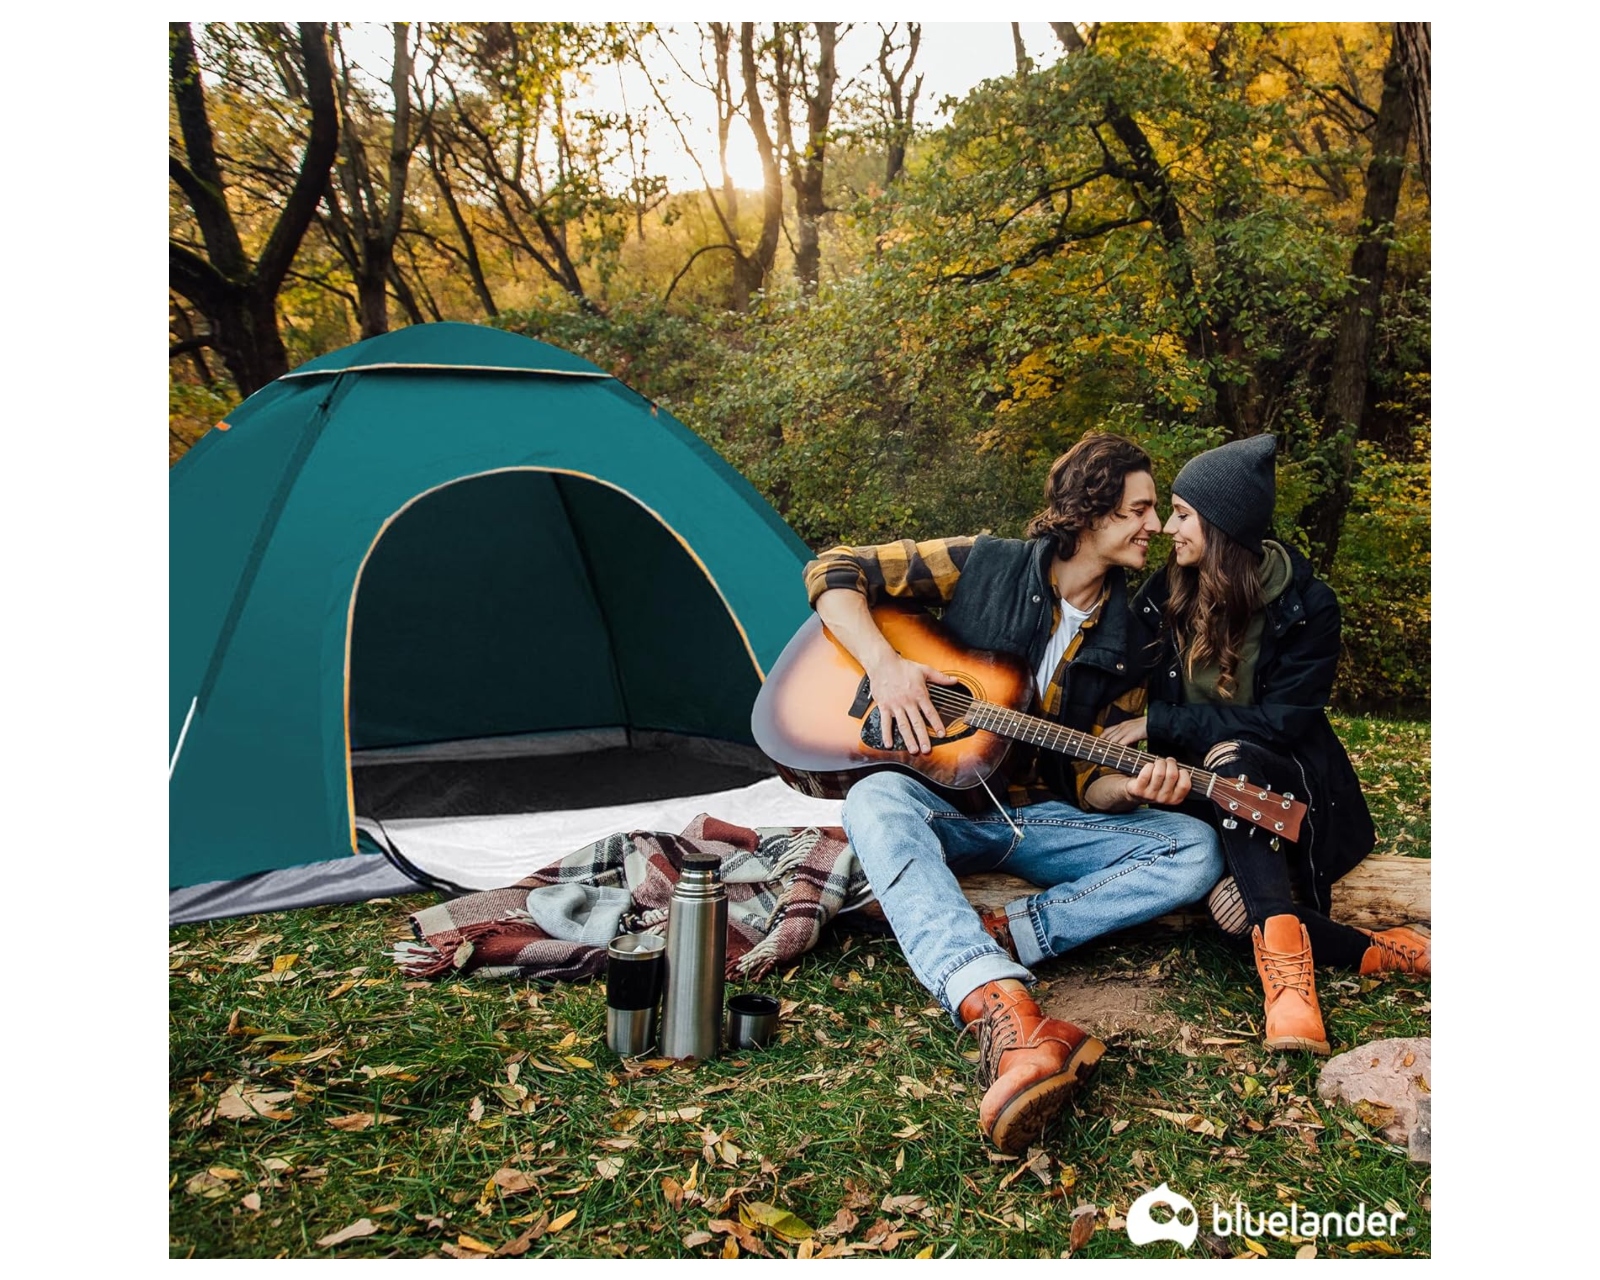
x=1382 y=891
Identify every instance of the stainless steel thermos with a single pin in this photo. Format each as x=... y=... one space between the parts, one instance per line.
x=697 y=944
x=633 y=990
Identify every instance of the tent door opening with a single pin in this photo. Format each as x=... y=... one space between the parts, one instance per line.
x=528 y=640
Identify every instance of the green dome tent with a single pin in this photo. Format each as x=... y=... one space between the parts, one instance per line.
x=450 y=543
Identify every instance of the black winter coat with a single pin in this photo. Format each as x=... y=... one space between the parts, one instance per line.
x=1293 y=681
x=1004 y=602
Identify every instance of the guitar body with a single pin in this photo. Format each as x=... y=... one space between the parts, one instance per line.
x=815 y=721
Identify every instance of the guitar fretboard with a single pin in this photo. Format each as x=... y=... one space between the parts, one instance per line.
x=1072 y=742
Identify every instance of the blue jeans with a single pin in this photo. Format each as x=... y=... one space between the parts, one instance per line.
x=1106 y=871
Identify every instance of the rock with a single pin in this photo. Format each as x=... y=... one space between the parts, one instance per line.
x=1419 y=1146
x=1384 y=1080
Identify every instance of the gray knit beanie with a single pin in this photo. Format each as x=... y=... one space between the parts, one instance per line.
x=1233 y=487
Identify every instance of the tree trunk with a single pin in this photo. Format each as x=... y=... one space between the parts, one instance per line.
x=1416 y=54
x=1323 y=517
x=750 y=271
x=238 y=297
x=902 y=106
x=806 y=170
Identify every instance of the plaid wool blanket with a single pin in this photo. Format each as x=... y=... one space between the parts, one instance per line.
x=784 y=884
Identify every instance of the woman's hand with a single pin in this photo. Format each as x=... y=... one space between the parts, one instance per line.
x=1129 y=733
x=900 y=688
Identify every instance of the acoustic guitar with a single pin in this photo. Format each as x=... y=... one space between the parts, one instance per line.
x=816 y=721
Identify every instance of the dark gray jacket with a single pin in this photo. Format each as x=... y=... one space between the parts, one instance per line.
x=1293 y=681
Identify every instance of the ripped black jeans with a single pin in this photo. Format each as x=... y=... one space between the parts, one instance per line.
x=1261 y=875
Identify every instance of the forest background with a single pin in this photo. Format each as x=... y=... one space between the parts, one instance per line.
x=1183 y=232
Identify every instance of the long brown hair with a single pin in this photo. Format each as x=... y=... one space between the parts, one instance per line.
x=1209 y=605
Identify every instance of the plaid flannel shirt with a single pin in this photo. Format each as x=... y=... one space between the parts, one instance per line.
x=927 y=573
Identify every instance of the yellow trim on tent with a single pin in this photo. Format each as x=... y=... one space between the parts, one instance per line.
x=443 y=368
x=355 y=589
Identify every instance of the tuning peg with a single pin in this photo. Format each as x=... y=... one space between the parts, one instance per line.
x=1288 y=795
x=1275 y=842
x=1230 y=823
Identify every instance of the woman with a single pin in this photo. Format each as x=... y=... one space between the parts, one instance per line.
x=1248 y=640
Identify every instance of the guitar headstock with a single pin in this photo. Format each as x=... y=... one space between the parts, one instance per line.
x=1277 y=813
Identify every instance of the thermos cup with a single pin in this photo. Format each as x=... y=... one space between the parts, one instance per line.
x=633 y=989
x=697 y=945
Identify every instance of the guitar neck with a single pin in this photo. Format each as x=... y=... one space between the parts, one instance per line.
x=1072 y=742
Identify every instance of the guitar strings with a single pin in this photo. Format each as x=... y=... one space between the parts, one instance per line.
x=955 y=705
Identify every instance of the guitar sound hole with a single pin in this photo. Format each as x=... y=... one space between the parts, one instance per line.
x=872 y=725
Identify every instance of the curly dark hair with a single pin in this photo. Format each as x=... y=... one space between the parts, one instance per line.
x=1085 y=485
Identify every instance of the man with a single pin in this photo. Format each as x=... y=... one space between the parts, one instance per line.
x=1060 y=600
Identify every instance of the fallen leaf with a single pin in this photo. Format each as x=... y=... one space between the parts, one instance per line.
x=245 y=1102
x=672 y=1192
x=206 y=1184
x=1375 y=1115
x=730 y=1248
x=252 y=1202
x=1082 y=1228
x=360 y=1120
x=1118 y=1126
x=565 y=1220
x=282 y=964
x=388 y=1069
x=682 y=1113
x=513 y=1181
x=780 y=1221
x=844 y=1222
x=475 y=1109
x=1190 y=1121
x=1371 y=1246
x=697 y=1238
x=1306 y=1251
x=516 y=1248
x=361 y=1227
x=573 y=1061
x=465 y=1241
x=1255 y=1246
x=902 y=1204
x=619 y=1144
x=737 y=1230
x=608 y=1168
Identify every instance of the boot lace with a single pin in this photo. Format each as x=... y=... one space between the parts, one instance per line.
x=1397 y=954
x=997 y=1032
x=1287 y=970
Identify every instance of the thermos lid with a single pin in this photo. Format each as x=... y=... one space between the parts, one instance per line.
x=701 y=862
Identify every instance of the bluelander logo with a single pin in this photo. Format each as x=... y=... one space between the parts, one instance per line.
x=1144 y=1229
x=1183 y=1226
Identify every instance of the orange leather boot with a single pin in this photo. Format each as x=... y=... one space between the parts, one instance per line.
x=1029 y=1065
x=1401 y=950
x=1283 y=959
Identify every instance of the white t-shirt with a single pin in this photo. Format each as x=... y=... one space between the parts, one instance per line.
x=1071 y=622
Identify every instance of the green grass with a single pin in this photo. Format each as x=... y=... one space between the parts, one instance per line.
x=863 y=1115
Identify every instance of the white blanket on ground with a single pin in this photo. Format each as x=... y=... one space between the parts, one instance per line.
x=499 y=849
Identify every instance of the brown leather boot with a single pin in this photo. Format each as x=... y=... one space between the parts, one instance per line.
x=1401 y=950
x=998 y=926
x=1283 y=959
x=1028 y=1064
